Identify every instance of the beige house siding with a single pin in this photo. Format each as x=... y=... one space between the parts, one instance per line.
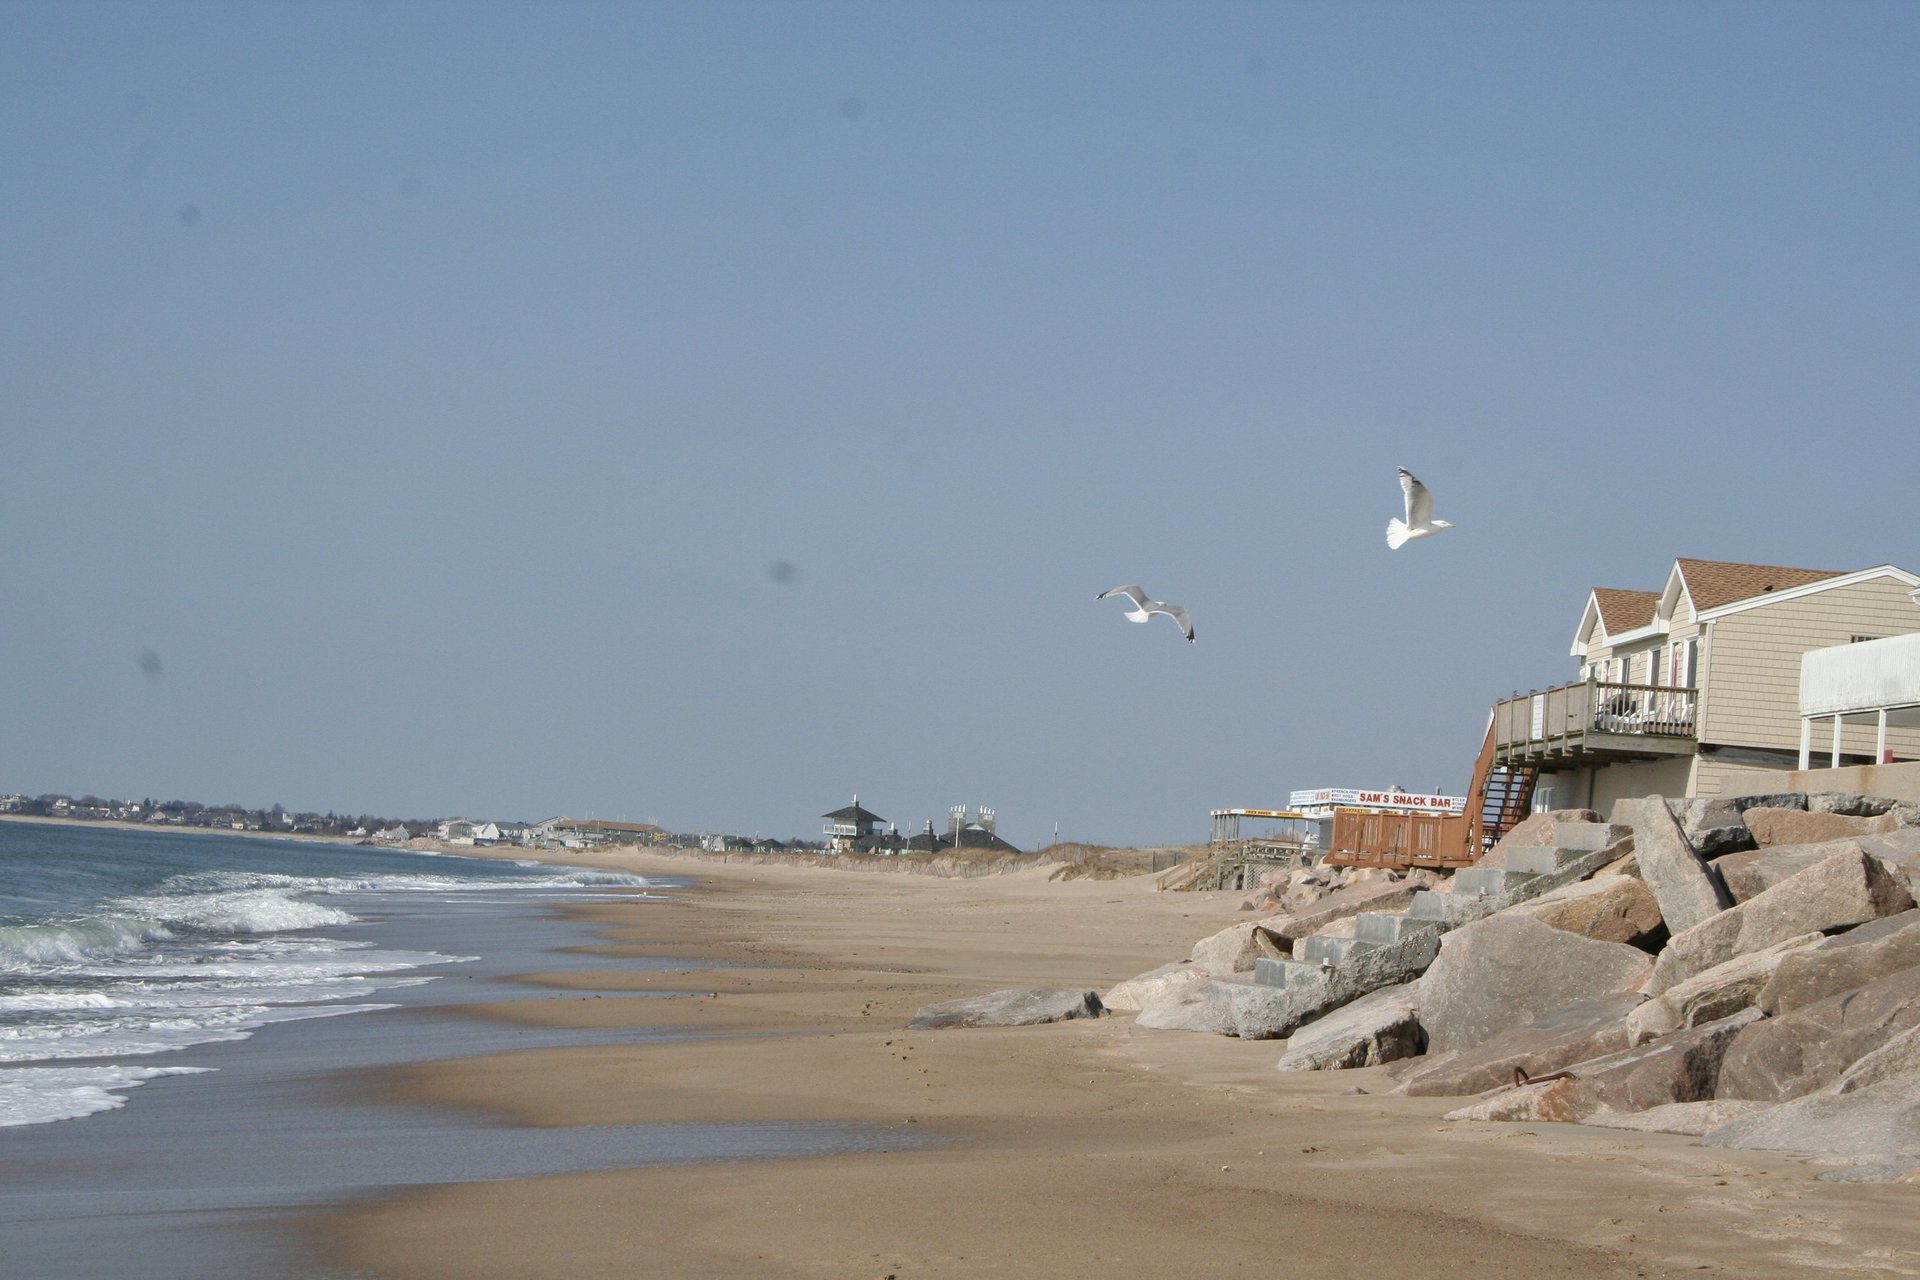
x=1721 y=778
x=1751 y=690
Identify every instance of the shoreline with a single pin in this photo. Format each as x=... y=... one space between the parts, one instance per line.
x=1082 y=1148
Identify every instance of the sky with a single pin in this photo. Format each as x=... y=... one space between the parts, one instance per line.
x=704 y=413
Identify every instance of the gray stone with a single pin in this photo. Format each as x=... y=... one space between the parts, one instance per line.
x=1605 y=909
x=1129 y=996
x=1023 y=1007
x=1685 y=887
x=1230 y=1007
x=1235 y=948
x=1573 y=1033
x=1845 y=889
x=1847 y=802
x=1798 y=1053
x=1509 y=970
x=1877 y=1128
x=1750 y=873
x=1796 y=826
x=1382 y=1026
x=1717 y=993
x=1875 y=950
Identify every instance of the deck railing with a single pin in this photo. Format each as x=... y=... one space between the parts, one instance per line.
x=1595 y=706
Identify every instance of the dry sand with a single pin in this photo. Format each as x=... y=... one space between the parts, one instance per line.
x=1081 y=1149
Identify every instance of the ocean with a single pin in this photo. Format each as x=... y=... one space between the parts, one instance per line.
x=193 y=1030
x=120 y=948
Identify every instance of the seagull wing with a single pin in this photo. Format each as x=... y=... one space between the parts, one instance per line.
x=1131 y=592
x=1419 y=501
x=1179 y=615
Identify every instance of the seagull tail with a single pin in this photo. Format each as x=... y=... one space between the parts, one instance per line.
x=1396 y=534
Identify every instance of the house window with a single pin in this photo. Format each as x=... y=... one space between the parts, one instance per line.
x=1861 y=639
x=1692 y=672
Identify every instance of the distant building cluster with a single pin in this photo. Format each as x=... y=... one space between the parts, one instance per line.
x=849 y=830
x=222 y=817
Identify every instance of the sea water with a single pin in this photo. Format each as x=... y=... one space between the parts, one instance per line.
x=120 y=948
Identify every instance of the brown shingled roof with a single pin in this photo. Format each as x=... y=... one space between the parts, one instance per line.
x=1712 y=583
x=1622 y=610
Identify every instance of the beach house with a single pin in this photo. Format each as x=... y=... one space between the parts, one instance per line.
x=1694 y=689
x=848 y=827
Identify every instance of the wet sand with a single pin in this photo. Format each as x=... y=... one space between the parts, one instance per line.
x=1081 y=1149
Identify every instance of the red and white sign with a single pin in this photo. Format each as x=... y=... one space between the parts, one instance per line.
x=1387 y=799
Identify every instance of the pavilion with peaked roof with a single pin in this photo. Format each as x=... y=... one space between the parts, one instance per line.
x=847 y=827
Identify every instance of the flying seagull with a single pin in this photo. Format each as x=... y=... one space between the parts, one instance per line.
x=1144 y=608
x=1419 y=522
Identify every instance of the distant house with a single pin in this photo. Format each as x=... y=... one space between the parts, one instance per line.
x=1694 y=689
x=576 y=833
x=847 y=827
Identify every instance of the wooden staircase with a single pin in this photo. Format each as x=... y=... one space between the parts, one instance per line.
x=1497 y=799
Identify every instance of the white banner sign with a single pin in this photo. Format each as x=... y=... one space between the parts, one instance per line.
x=1388 y=799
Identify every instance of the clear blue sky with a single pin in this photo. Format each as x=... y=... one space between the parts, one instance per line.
x=436 y=389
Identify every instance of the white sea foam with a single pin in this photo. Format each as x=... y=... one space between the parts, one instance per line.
x=132 y=1037
x=203 y=957
x=37 y=1095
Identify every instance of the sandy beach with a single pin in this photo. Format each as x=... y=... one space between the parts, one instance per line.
x=1087 y=1148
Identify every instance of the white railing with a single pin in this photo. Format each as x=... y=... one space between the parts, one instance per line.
x=1593 y=706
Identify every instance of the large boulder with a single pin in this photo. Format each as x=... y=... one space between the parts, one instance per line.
x=1131 y=995
x=1798 y=1053
x=1509 y=970
x=1845 y=889
x=1383 y=1026
x=1689 y=1118
x=1715 y=825
x=1607 y=908
x=1878 y=1128
x=1228 y=1007
x=1572 y=1033
x=1796 y=826
x=1849 y=803
x=1899 y=1056
x=1681 y=1068
x=1899 y=852
x=1548 y=1103
x=1023 y=1007
x=1363 y=895
x=1875 y=950
x=1717 y=993
x=1751 y=873
x=1236 y=947
x=1684 y=885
